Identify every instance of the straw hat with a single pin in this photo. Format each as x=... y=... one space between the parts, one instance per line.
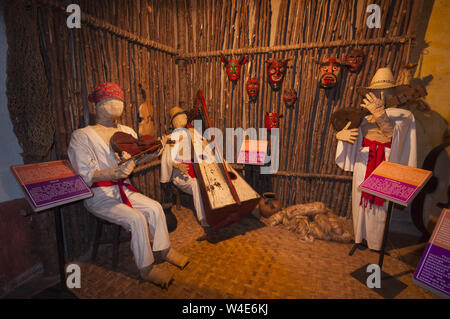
x=176 y=110
x=383 y=79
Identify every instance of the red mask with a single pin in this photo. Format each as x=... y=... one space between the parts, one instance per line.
x=276 y=70
x=233 y=67
x=330 y=73
x=290 y=97
x=354 y=60
x=252 y=89
x=272 y=120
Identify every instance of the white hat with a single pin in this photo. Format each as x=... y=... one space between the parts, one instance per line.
x=383 y=79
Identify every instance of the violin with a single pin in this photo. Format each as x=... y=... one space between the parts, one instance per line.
x=123 y=142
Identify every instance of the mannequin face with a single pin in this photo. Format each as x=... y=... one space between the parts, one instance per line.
x=109 y=110
x=180 y=121
x=387 y=93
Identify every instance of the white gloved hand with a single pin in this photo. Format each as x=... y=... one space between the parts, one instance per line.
x=374 y=104
x=347 y=135
x=126 y=168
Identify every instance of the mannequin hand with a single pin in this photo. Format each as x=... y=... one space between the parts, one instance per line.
x=374 y=104
x=347 y=135
x=146 y=158
x=126 y=168
x=182 y=167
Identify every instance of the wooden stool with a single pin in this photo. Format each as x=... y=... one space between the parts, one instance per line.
x=115 y=242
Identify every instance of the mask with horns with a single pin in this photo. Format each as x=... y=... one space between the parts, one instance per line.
x=233 y=67
x=276 y=69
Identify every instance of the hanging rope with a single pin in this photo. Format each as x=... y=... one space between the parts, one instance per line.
x=298 y=46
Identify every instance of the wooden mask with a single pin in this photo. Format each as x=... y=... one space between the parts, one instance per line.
x=354 y=60
x=330 y=72
x=252 y=87
x=276 y=69
x=290 y=97
x=272 y=120
x=233 y=67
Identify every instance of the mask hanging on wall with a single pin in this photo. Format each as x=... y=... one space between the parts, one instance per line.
x=276 y=69
x=272 y=120
x=330 y=72
x=290 y=97
x=252 y=87
x=354 y=60
x=233 y=67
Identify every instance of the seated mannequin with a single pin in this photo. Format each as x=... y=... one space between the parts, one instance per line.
x=115 y=200
x=176 y=162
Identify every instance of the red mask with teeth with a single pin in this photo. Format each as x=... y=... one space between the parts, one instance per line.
x=272 y=120
x=252 y=87
x=330 y=73
x=290 y=97
x=233 y=67
x=354 y=60
x=276 y=69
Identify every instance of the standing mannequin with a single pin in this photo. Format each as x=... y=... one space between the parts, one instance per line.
x=115 y=200
x=176 y=161
x=385 y=134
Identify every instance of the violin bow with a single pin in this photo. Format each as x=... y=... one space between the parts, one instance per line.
x=205 y=116
x=149 y=150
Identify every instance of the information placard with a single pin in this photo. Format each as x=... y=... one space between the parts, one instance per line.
x=433 y=271
x=50 y=184
x=395 y=182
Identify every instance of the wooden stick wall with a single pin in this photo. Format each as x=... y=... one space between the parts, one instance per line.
x=78 y=59
x=307 y=145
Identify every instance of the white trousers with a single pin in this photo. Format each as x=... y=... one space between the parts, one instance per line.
x=145 y=219
x=368 y=222
x=190 y=186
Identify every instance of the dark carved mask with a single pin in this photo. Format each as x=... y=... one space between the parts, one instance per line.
x=290 y=97
x=354 y=60
x=252 y=87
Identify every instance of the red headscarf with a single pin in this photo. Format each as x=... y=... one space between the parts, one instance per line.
x=105 y=91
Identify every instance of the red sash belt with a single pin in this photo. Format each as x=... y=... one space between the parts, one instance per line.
x=376 y=156
x=121 y=184
x=191 y=171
